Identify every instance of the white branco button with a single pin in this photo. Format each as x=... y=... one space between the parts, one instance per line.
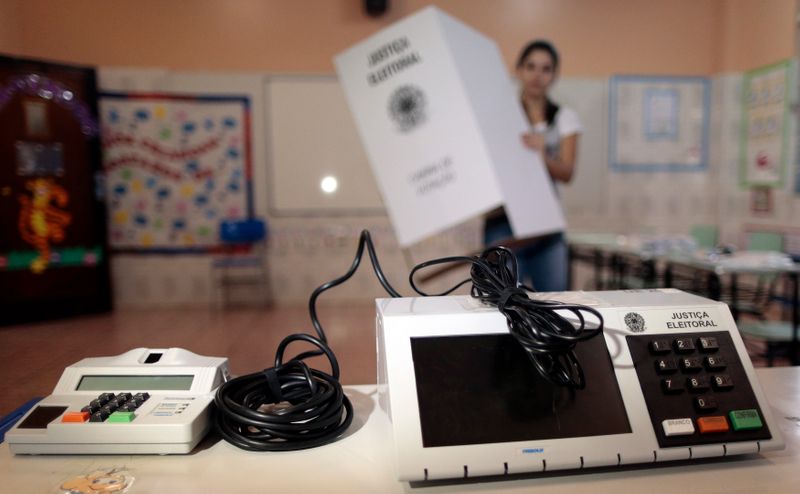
x=678 y=427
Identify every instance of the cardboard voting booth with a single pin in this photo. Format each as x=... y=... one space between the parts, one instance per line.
x=441 y=123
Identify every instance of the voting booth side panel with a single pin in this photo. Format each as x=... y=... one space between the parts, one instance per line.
x=418 y=126
x=528 y=192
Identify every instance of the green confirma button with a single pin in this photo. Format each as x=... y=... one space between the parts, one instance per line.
x=745 y=420
x=126 y=417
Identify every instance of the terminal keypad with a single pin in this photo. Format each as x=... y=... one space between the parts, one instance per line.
x=109 y=407
x=696 y=389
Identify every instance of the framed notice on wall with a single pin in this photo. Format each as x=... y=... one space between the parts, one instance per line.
x=765 y=125
x=659 y=123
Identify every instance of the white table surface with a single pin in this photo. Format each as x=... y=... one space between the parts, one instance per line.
x=362 y=462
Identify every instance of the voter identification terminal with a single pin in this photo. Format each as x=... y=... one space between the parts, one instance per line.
x=144 y=401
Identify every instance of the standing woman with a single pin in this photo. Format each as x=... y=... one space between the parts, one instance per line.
x=554 y=133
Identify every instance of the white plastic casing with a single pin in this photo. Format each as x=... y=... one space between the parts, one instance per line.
x=170 y=421
x=400 y=319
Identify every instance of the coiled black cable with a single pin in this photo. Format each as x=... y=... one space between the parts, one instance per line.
x=540 y=326
x=291 y=406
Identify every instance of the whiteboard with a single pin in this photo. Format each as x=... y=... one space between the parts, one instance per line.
x=311 y=135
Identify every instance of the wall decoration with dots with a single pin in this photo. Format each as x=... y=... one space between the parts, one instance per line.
x=175 y=167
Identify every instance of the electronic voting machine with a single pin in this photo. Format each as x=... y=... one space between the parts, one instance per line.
x=668 y=379
x=143 y=401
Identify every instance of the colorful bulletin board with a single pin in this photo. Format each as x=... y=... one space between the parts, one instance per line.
x=765 y=125
x=175 y=167
x=659 y=123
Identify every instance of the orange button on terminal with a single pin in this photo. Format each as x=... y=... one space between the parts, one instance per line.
x=78 y=417
x=708 y=425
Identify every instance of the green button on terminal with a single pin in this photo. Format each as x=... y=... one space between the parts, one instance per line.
x=745 y=420
x=121 y=417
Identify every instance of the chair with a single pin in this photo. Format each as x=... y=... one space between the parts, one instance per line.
x=757 y=298
x=765 y=241
x=705 y=236
x=239 y=268
x=776 y=334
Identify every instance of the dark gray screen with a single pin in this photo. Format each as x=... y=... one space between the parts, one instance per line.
x=484 y=389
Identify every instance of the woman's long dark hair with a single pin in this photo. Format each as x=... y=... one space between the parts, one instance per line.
x=550 y=108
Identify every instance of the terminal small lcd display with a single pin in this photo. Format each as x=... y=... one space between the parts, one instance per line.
x=479 y=389
x=135 y=383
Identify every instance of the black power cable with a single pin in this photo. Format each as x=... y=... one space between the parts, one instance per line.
x=542 y=327
x=291 y=406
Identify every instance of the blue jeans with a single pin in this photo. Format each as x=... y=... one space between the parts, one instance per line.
x=542 y=265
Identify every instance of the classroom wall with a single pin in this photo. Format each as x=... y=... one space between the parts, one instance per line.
x=719 y=38
x=699 y=37
x=755 y=33
x=9 y=26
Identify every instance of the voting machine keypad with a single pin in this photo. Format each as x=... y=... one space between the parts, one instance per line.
x=108 y=407
x=696 y=389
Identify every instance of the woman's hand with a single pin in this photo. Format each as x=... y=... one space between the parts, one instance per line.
x=533 y=140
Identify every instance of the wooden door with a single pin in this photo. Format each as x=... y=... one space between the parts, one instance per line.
x=53 y=246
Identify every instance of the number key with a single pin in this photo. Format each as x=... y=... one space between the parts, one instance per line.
x=666 y=366
x=99 y=416
x=705 y=403
x=672 y=386
x=104 y=397
x=715 y=362
x=708 y=344
x=699 y=383
x=683 y=345
x=723 y=382
x=691 y=364
x=659 y=346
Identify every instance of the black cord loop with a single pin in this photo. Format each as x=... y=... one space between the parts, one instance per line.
x=542 y=327
x=291 y=406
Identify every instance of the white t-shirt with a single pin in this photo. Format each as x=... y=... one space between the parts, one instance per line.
x=565 y=124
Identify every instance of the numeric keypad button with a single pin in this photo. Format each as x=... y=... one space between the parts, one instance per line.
x=691 y=364
x=666 y=366
x=698 y=383
x=683 y=345
x=715 y=362
x=672 y=386
x=659 y=347
x=722 y=382
x=708 y=344
x=99 y=416
x=705 y=403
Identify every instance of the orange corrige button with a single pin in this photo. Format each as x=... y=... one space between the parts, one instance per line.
x=708 y=425
x=79 y=417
